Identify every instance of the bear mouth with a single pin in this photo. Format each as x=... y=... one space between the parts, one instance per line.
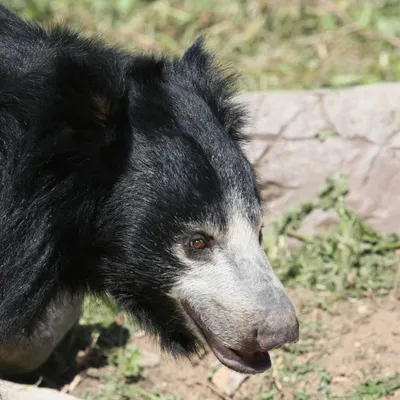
x=240 y=361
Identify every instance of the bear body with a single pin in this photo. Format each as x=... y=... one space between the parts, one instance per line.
x=123 y=175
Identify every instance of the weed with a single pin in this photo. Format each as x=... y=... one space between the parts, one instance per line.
x=374 y=389
x=324 y=381
x=302 y=395
x=270 y=395
x=350 y=258
x=127 y=361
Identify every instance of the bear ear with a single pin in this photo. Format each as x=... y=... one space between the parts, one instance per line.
x=217 y=87
x=197 y=56
x=91 y=92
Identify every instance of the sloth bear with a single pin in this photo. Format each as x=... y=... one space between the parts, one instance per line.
x=124 y=175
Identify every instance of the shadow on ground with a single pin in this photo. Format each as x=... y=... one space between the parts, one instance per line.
x=85 y=346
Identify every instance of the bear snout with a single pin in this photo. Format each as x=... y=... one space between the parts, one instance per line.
x=276 y=330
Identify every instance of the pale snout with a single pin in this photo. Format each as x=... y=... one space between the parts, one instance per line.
x=271 y=317
x=275 y=326
x=238 y=306
x=243 y=341
x=278 y=328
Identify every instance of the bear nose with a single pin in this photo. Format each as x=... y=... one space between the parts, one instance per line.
x=277 y=329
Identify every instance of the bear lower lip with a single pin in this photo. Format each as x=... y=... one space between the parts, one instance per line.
x=248 y=363
x=239 y=361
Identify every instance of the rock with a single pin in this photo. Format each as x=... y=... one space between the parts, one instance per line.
x=148 y=359
x=292 y=161
x=14 y=391
x=318 y=222
x=367 y=112
x=228 y=381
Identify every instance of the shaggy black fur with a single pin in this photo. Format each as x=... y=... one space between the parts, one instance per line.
x=104 y=156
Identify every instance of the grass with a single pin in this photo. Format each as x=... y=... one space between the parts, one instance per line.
x=273 y=44
x=374 y=389
x=296 y=374
x=349 y=259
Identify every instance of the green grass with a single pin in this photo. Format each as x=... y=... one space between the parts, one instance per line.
x=374 y=389
x=273 y=44
x=349 y=259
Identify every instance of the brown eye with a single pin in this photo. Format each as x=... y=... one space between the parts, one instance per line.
x=199 y=243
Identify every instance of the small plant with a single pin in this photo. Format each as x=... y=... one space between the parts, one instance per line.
x=270 y=395
x=127 y=361
x=302 y=395
x=375 y=389
x=324 y=381
x=350 y=258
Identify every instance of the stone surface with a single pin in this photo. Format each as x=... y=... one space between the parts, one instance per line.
x=363 y=141
x=228 y=381
x=14 y=391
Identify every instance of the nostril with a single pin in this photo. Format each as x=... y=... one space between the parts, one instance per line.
x=269 y=341
x=277 y=330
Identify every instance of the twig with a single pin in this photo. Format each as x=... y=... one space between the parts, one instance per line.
x=71 y=386
x=93 y=343
x=297 y=236
x=82 y=355
x=39 y=381
x=393 y=293
x=277 y=382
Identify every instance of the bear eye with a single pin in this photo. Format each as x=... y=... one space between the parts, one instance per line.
x=199 y=242
x=260 y=236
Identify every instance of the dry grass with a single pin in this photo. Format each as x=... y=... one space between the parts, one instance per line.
x=273 y=44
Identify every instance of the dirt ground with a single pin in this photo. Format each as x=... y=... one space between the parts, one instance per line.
x=343 y=345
